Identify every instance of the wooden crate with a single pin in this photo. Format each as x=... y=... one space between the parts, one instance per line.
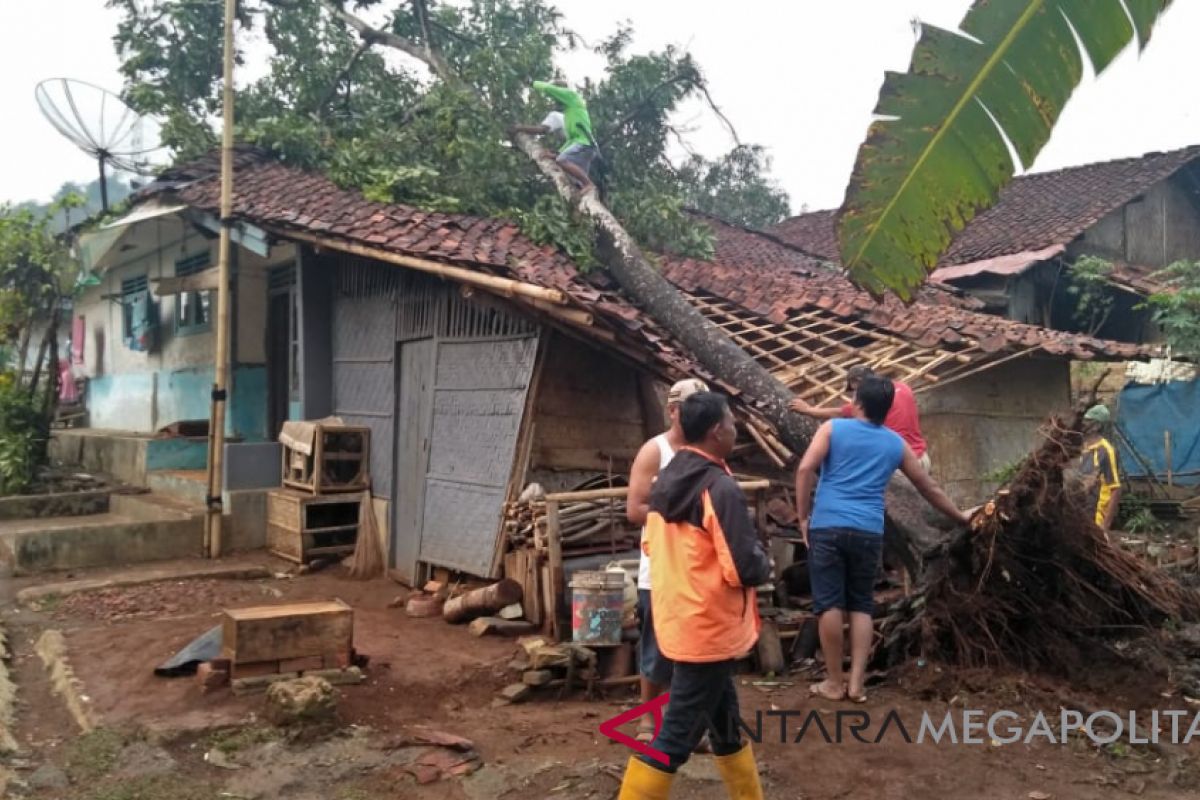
x=339 y=462
x=268 y=635
x=301 y=527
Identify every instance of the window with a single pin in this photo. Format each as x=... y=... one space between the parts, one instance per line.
x=281 y=281
x=132 y=296
x=193 y=310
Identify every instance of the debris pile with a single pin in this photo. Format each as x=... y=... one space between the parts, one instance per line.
x=1034 y=583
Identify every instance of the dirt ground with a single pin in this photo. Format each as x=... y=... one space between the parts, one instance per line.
x=165 y=738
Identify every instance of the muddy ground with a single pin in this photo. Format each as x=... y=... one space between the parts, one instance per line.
x=165 y=738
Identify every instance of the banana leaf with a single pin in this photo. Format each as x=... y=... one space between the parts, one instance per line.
x=938 y=152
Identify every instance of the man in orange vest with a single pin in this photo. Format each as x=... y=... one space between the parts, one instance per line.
x=705 y=560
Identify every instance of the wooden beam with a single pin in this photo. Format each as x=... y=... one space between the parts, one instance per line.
x=504 y=286
x=620 y=491
x=205 y=281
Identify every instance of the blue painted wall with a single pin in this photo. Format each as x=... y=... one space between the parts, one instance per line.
x=146 y=401
x=176 y=454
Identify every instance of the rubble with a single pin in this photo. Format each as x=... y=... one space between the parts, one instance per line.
x=301 y=701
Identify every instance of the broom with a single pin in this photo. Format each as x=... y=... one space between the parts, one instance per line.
x=367 y=561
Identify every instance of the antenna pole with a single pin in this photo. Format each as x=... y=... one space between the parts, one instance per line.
x=216 y=425
x=103 y=187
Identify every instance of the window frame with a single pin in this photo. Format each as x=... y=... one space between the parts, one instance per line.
x=198 y=301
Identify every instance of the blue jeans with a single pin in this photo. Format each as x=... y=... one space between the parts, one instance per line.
x=843 y=564
x=652 y=664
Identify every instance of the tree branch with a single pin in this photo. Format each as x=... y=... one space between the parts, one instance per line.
x=373 y=35
x=703 y=87
x=680 y=78
x=422 y=15
x=363 y=47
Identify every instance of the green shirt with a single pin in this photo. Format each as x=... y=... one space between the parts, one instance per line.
x=577 y=122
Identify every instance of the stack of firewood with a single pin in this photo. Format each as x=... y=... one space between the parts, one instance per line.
x=585 y=525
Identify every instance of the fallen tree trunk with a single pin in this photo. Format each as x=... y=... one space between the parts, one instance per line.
x=670 y=309
x=646 y=286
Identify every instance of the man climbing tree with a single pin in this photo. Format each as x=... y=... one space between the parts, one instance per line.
x=580 y=149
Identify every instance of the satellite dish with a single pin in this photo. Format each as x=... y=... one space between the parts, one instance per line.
x=100 y=124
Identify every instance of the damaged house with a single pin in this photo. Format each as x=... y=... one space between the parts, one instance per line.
x=482 y=362
x=1138 y=214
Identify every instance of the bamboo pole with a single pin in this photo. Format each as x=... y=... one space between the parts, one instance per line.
x=504 y=286
x=216 y=425
x=1167 y=453
x=559 y=498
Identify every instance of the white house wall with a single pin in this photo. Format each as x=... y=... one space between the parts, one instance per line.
x=144 y=391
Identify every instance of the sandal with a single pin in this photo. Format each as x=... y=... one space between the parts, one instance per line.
x=820 y=690
x=857 y=698
x=645 y=732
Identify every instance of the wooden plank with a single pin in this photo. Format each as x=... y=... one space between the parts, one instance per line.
x=413 y=422
x=291 y=630
x=557 y=578
x=203 y=281
x=484 y=626
x=552 y=456
x=621 y=491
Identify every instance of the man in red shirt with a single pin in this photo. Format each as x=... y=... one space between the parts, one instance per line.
x=904 y=418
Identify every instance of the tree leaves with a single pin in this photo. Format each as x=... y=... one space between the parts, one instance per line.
x=390 y=130
x=936 y=157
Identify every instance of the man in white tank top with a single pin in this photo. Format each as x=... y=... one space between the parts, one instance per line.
x=655 y=668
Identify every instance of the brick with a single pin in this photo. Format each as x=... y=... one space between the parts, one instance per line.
x=515 y=692
x=537 y=677
x=335 y=660
x=302 y=664
x=254 y=669
x=211 y=678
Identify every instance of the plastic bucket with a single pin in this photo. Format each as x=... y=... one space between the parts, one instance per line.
x=597 y=607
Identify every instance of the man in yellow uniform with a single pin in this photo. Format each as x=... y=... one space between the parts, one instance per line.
x=1098 y=466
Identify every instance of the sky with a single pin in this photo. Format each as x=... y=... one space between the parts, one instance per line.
x=797 y=76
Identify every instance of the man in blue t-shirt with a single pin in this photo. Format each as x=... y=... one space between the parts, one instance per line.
x=844 y=534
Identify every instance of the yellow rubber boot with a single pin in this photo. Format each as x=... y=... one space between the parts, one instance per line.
x=644 y=782
x=740 y=773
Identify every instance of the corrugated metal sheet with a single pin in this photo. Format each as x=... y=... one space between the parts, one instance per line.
x=479 y=396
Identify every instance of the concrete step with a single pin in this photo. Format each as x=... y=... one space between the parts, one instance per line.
x=153 y=507
x=52 y=544
x=187 y=484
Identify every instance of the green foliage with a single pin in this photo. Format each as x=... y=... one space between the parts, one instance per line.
x=1004 y=474
x=733 y=188
x=1088 y=283
x=36 y=273
x=1136 y=517
x=377 y=122
x=934 y=158
x=1176 y=308
x=23 y=431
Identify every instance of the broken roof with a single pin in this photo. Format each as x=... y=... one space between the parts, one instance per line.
x=1036 y=212
x=803 y=321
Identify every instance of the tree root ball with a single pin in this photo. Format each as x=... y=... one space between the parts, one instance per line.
x=302 y=701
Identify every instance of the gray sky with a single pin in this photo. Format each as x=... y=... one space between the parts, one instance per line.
x=798 y=76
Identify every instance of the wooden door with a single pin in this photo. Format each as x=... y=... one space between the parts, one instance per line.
x=414 y=405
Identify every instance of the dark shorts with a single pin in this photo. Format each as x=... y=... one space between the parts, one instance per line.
x=652 y=664
x=580 y=155
x=843 y=565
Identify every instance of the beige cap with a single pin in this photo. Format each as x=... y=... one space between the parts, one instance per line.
x=684 y=389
